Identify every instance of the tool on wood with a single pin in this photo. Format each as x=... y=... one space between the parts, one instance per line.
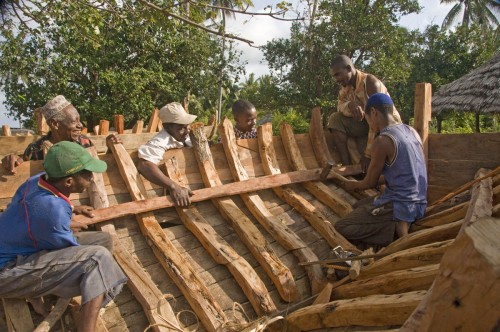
x=326 y=170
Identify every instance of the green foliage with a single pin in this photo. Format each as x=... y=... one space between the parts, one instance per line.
x=296 y=119
x=118 y=61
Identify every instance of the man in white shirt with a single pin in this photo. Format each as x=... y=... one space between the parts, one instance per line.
x=175 y=135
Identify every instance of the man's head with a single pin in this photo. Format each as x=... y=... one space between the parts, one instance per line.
x=245 y=115
x=63 y=119
x=72 y=166
x=342 y=70
x=379 y=105
x=176 y=121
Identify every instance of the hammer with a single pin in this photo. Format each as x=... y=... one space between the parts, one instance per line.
x=325 y=173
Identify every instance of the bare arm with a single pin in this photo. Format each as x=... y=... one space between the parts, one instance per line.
x=152 y=173
x=374 y=85
x=10 y=162
x=381 y=150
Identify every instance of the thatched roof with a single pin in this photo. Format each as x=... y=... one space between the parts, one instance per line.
x=478 y=91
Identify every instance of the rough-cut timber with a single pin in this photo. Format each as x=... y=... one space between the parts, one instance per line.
x=315 y=217
x=198 y=296
x=375 y=310
x=222 y=252
x=17 y=315
x=287 y=238
x=318 y=140
x=422 y=109
x=444 y=217
x=318 y=189
x=55 y=314
x=278 y=272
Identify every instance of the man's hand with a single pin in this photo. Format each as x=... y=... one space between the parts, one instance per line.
x=10 y=162
x=113 y=138
x=180 y=195
x=85 y=210
x=356 y=110
x=77 y=226
x=365 y=162
x=350 y=185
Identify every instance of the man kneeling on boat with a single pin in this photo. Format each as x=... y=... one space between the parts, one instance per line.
x=397 y=154
x=175 y=135
x=40 y=254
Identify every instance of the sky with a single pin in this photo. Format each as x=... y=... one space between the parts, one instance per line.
x=261 y=29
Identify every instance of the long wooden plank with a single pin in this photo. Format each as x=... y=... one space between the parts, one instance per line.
x=54 y=315
x=324 y=194
x=422 y=114
x=444 y=217
x=317 y=219
x=277 y=228
x=376 y=310
x=222 y=252
x=255 y=241
x=235 y=188
x=181 y=272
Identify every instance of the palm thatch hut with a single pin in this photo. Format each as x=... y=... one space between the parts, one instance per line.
x=478 y=92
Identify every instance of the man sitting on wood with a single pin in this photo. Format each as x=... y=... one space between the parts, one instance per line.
x=397 y=154
x=348 y=121
x=64 y=122
x=175 y=135
x=40 y=255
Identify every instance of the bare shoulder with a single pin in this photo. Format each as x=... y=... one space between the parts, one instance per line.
x=374 y=85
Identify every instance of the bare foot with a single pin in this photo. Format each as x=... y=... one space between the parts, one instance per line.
x=39 y=306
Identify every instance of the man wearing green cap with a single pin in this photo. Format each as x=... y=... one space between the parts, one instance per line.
x=397 y=154
x=40 y=255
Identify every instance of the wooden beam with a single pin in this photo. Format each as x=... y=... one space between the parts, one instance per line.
x=152 y=300
x=324 y=194
x=400 y=281
x=42 y=128
x=103 y=127
x=406 y=259
x=138 y=127
x=17 y=315
x=154 y=120
x=318 y=140
x=235 y=188
x=178 y=268
x=444 y=217
x=222 y=252
x=277 y=228
x=249 y=234
x=422 y=114
x=315 y=217
x=54 y=316
x=376 y=310
x=435 y=234
x=6 y=130
x=119 y=123
x=481 y=202
x=464 y=296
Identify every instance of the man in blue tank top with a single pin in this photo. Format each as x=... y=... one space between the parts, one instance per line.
x=397 y=154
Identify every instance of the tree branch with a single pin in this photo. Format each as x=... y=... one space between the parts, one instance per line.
x=199 y=26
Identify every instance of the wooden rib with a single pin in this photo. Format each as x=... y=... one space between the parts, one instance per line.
x=181 y=272
x=444 y=217
x=152 y=300
x=277 y=228
x=375 y=310
x=6 y=130
x=278 y=272
x=17 y=315
x=422 y=114
x=324 y=194
x=315 y=217
x=54 y=315
x=401 y=281
x=481 y=202
x=154 y=121
x=118 y=122
x=103 y=127
x=138 y=127
x=406 y=259
x=318 y=140
x=222 y=252
x=435 y=234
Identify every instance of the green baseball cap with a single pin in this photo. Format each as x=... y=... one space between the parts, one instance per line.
x=67 y=158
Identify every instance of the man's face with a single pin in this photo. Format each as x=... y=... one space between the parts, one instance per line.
x=178 y=131
x=245 y=121
x=341 y=74
x=70 y=129
x=81 y=181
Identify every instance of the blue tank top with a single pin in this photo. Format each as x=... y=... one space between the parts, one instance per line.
x=406 y=175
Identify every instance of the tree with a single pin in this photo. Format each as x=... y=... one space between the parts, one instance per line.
x=481 y=12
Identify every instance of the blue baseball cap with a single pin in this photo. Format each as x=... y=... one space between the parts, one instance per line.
x=378 y=99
